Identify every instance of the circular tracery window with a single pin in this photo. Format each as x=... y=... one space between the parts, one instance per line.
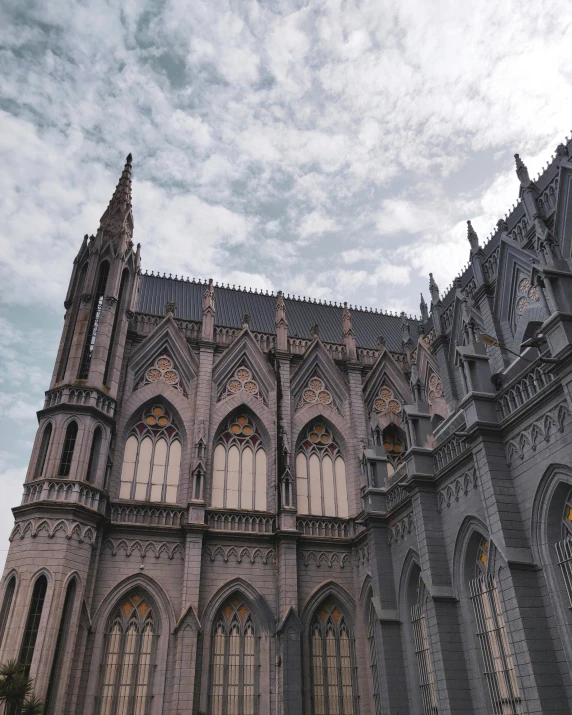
x=435 y=388
x=163 y=370
x=319 y=435
x=316 y=392
x=528 y=294
x=242 y=380
x=387 y=401
x=158 y=417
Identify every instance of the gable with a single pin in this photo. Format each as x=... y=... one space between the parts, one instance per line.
x=385 y=389
x=318 y=380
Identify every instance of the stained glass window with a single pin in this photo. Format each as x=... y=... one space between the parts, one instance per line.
x=564 y=547
x=239 y=468
x=498 y=660
x=91 y=473
x=52 y=707
x=333 y=677
x=372 y=643
x=7 y=606
x=68 y=449
x=152 y=459
x=33 y=623
x=393 y=440
x=126 y=680
x=321 y=474
x=233 y=661
x=423 y=651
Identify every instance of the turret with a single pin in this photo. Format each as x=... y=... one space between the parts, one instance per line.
x=348 y=335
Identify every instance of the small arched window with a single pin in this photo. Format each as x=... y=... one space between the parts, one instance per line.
x=119 y=310
x=43 y=453
x=321 y=475
x=94 y=453
x=152 y=459
x=68 y=449
x=497 y=656
x=332 y=659
x=7 y=606
x=91 y=333
x=234 y=687
x=395 y=446
x=423 y=651
x=239 y=468
x=33 y=623
x=129 y=655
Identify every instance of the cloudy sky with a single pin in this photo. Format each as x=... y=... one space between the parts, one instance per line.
x=330 y=149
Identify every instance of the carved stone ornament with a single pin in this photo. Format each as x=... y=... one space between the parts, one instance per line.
x=86 y=297
x=111 y=300
x=171 y=308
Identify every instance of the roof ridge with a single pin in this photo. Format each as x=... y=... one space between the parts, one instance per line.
x=287 y=296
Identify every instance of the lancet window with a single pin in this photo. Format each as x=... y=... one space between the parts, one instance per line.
x=564 y=546
x=423 y=651
x=68 y=449
x=52 y=707
x=129 y=654
x=234 y=687
x=43 y=453
x=91 y=334
x=321 y=474
x=498 y=660
x=332 y=659
x=7 y=606
x=33 y=623
x=240 y=467
x=372 y=643
x=152 y=459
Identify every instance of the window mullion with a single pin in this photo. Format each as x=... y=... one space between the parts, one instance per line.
x=151 y=467
x=323 y=504
x=136 y=468
x=333 y=458
x=165 y=472
x=240 y=446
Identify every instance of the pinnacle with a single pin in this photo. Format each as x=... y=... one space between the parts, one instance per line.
x=118 y=217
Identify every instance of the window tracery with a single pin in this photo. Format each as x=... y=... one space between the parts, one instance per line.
x=321 y=474
x=240 y=467
x=525 y=295
x=423 y=651
x=564 y=547
x=152 y=459
x=331 y=649
x=68 y=449
x=435 y=389
x=128 y=659
x=372 y=643
x=33 y=623
x=497 y=656
x=242 y=380
x=234 y=661
x=163 y=370
x=316 y=392
x=386 y=401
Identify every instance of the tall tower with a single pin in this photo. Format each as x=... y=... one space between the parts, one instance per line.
x=67 y=470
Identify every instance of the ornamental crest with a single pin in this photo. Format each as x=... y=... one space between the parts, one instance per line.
x=163 y=370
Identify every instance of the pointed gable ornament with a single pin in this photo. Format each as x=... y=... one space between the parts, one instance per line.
x=348 y=335
x=280 y=323
x=472 y=238
x=407 y=341
x=433 y=289
x=423 y=309
x=245 y=321
x=522 y=172
x=315 y=331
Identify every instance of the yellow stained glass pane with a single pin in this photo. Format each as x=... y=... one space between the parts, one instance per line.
x=319 y=429
x=235 y=429
x=247 y=429
x=242 y=420
x=227 y=611
x=158 y=410
x=569 y=517
x=136 y=599
x=314 y=437
x=325 y=439
x=163 y=421
x=151 y=420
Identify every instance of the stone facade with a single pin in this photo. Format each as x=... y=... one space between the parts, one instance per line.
x=432 y=557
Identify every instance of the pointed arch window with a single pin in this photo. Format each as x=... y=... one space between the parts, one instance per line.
x=234 y=687
x=68 y=449
x=240 y=468
x=372 y=643
x=564 y=546
x=7 y=606
x=91 y=334
x=423 y=651
x=43 y=452
x=71 y=327
x=332 y=659
x=394 y=443
x=33 y=623
x=321 y=475
x=92 y=464
x=51 y=706
x=152 y=459
x=119 y=310
x=129 y=656
x=497 y=656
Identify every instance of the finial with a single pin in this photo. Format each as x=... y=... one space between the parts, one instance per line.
x=473 y=238
x=245 y=321
x=129 y=158
x=522 y=172
x=423 y=309
x=502 y=225
x=171 y=308
x=433 y=289
x=380 y=341
x=315 y=331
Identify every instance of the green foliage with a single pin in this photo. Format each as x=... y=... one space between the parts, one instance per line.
x=16 y=690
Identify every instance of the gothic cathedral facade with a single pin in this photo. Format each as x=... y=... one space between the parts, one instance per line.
x=243 y=503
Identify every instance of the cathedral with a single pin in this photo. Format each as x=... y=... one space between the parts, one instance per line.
x=247 y=503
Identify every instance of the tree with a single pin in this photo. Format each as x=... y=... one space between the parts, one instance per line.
x=16 y=690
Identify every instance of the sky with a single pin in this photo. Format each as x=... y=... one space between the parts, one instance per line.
x=328 y=149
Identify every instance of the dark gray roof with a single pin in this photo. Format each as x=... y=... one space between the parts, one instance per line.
x=231 y=304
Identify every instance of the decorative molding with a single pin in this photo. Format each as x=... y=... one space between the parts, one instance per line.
x=244 y=553
x=71 y=529
x=323 y=558
x=362 y=556
x=539 y=431
x=453 y=491
x=157 y=549
x=401 y=529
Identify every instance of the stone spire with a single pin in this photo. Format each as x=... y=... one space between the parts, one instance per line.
x=423 y=309
x=433 y=289
x=348 y=335
x=280 y=323
x=117 y=221
x=209 y=310
x=522 y=172
x=473 y=238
